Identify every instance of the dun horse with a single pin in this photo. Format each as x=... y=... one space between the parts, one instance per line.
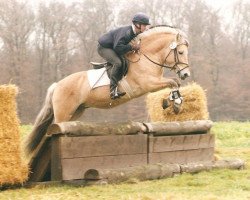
x=161 y=47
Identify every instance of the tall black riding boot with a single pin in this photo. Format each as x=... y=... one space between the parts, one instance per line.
x=114 y=78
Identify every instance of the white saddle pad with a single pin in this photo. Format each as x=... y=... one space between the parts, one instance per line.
x=98 y=77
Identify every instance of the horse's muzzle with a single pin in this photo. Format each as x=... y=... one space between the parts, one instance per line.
x=183 y=74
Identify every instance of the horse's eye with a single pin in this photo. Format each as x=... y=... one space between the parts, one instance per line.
x=180 y=52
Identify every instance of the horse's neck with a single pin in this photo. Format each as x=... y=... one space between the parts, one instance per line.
x=141 y=70
x=155 y=44
x=140 y=73
x=155 y=49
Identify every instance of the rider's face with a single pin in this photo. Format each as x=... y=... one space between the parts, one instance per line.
x=143 y=28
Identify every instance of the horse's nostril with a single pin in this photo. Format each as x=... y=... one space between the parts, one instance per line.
x=186 y=75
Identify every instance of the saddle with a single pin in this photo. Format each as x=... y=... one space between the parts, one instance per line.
x=97 y=65
x=108 y=66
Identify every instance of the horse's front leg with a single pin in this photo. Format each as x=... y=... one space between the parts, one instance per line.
x=155 y=84
x=177 y=80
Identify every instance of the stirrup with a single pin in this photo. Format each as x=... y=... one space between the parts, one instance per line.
x=114 y=94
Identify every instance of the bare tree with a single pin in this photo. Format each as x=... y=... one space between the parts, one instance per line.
x=213 y=37
x=16 y=22
x=91 y=18
x=160 y=12
x=241 y=27
x=16 y=26
x=127 y=10
x=52 y=42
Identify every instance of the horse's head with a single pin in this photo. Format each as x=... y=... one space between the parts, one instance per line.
x=177 y=56
x=167 y=47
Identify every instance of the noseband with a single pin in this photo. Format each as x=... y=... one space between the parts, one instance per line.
x=173 y=47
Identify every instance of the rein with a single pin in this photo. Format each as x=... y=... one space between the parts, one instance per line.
x=176 y=58
x=162 y=65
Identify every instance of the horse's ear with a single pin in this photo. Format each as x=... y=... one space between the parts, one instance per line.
x=187 y=42
x=178 y=37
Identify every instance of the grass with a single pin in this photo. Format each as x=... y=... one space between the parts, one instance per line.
x=232 y=141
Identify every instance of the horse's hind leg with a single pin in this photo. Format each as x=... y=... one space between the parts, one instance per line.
x=78 y=113
x=69 y=94
x=63 y=113
x=65 y=105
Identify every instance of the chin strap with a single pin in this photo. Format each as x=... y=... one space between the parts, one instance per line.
x=138 y=26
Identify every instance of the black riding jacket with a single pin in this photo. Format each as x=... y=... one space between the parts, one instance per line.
x=118 y=39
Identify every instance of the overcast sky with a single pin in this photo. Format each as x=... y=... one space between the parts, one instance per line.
x=224 y=5
x=215 y=3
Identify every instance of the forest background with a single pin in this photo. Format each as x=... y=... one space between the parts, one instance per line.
x=42 y=42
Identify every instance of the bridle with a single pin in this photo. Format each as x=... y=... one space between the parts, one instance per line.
x=173 y=46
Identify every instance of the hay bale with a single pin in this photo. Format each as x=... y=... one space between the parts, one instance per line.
x=194 y=106
x=12 y=169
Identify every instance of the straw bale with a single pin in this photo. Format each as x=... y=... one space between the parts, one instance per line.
x=13 y=170
x=194 y=106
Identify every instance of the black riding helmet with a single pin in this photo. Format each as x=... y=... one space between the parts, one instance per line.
x=141 y=18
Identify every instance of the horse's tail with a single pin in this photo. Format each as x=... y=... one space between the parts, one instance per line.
x=42 y=122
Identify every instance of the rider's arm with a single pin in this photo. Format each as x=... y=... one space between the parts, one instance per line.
x=122 y=37
x=121 y=47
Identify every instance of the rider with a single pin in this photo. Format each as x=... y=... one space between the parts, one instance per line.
x=115 y=43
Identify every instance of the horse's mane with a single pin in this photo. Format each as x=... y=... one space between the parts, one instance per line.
x=161 y=29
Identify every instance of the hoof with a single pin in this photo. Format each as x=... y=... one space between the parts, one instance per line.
x=177 y=108
x=165 y=104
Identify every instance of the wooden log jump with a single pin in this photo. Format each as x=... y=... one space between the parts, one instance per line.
x=157 y=171
x=93 y=151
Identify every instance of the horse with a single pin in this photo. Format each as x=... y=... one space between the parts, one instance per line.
x=66 y=100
